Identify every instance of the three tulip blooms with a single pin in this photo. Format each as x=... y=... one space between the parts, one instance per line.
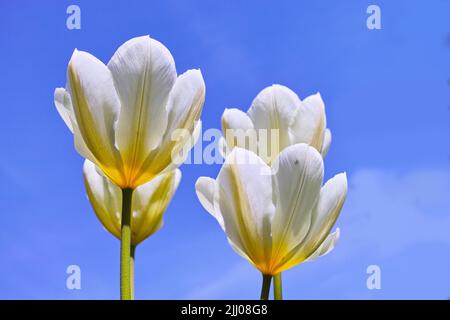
x=130 y=117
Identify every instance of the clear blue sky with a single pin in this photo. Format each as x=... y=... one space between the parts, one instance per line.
x=387 y=97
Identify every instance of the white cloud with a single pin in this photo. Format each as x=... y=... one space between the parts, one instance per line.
x=387 y=212
x=230 y=284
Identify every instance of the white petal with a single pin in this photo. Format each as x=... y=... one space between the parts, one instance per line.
x=326 y=212
x=150 y=201
x=274 y=109
x=244 y=199
x=185 y=102
x=105 y=198
x=144 y=73
x=64 y=106
x=95 y=106
x=326 y=142
x=183 y=128
x=298 y=176
x=238 y=130
x=235 y=119
x=63 y=103
x=326 y=246
x=310 y=122
x=205 y=188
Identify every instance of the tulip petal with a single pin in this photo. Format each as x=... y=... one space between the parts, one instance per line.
x=149 y=203
x=238 y=130
x=185 y=106
x=325 y=214
x=64 y=106
x=185 y=102
x=243 y=197
x=274 y=108
x=205 y=188
x=235 y=119
x=326 y=246
x=326 y=142
x=144 y=73
x=95 y=108
x=309 y=122
x=298 y=176
x=105 y=198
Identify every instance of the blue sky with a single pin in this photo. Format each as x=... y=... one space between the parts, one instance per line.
x=387 y=97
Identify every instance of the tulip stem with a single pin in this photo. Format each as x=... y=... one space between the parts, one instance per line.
x=277 y=287
x=265 y=290
x=125 y=246
x=132 y=253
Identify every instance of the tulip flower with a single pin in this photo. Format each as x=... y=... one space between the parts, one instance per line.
x=130 y=117
x=277 y=119
x=148 y=205
x=279 y=220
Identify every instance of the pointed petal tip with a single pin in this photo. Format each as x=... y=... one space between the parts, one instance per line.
x=144 y=37
x=277 y=85
x=204 y=188
x=77 y=53
x=196 y=72
x=58 y=92
x=201 y=181
x=338 y=233
x=343 y=175
x=315 y=98
x=340 y=178
x=229 y=111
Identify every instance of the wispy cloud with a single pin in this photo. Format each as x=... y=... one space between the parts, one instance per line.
x=387 y=211
x=239 y=277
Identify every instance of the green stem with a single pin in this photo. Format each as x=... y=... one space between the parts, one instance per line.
x=125 y=246
x=132 y=253
x=265 y=290
x=277 y=287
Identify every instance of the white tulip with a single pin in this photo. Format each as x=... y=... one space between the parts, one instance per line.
x=127 y=116
x=276 y=119
x=149 y=202
x=280 y=220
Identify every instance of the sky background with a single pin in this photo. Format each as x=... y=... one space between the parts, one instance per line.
x=387 y=97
